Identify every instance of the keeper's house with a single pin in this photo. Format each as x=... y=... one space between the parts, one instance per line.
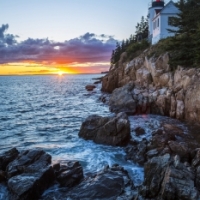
x=159 y=19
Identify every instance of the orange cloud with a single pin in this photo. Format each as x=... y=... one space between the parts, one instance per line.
x=88 y=53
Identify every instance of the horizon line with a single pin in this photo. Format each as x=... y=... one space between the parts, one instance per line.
x=64 y=74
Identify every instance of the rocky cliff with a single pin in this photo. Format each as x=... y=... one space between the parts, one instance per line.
x=149 y=85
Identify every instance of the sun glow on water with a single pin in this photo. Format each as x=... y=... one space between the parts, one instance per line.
x=60 y=73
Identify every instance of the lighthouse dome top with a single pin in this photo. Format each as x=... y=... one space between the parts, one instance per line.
x=157 y=3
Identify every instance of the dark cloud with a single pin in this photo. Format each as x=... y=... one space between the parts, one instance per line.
x=6 y=39
x=86 y=48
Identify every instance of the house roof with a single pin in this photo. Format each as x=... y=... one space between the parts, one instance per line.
x=173 y=10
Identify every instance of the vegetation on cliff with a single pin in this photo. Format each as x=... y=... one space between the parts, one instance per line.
x=183 y=48
x=134 y=45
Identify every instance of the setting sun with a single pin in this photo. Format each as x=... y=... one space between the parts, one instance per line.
x=60 y=73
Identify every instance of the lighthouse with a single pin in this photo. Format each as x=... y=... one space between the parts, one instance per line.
x=159 y=15
x=156 y=6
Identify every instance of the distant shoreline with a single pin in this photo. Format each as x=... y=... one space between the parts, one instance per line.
x=49 y=74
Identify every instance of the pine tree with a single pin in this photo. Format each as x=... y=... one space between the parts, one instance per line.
x=127 y=43
x=116 y=53
x=197 y=47
x=131 y=46
x=112 y=59
x=123 y=46
x=142 y=29
x=183 y=46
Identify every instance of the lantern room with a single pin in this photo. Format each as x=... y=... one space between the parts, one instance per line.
x=158 y=3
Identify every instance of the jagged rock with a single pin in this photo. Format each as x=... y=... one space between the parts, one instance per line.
x=196 y=160
x=110 y=81
x=29 y=174
x=182 y=85
x=25 y=160
x=172 y=130
x=180 y=149
x=168 y=178
x=139 y=131
x=7 y=157
x=152 y=153
x=106 y=130
x=143 y=75
x=192 y=102
x=104 y=98
x=30 y=185
x=154 y=171
x=122 y=100
x=108 y=184
x=70 y=174
x=173 y=107
x=161 y=103
x=160 y=139
x=180 y=109
x=197 y=179
x=137 y=152
x=178 y=183
x=90 y=87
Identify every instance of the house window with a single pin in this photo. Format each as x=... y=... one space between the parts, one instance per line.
x=170 y=21
x=158 y=22
x=155 y=24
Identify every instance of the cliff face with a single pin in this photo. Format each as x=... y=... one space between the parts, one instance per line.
x=150 y=86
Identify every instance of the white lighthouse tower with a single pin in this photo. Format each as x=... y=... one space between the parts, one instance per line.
x=159 y=20
x=155 y=7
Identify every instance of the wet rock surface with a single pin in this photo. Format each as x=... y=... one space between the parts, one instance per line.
x=68 y=175
x=106 y=130
x=29 y=173
x=30 y=176
x=90 y=87
x=171 y=164
x=7 y=157
x=170 y=157
x=171 y=161
x=109 y=184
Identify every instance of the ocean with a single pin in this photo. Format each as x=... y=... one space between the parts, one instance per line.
x=47 y=112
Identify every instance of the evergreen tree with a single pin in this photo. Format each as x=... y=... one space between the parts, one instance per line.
x=123 y=46
x=131 y=46
x=127 y=43
x=142 y=29
x=117 y=53
x=112 y=60
x=197 y=47
x=184 y=46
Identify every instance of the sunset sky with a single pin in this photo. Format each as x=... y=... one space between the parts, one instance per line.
x=70 y=36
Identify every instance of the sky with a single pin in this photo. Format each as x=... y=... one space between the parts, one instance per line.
x=64 y=36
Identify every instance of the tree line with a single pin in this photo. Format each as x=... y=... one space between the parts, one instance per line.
x=184 y=47
x=136 y=42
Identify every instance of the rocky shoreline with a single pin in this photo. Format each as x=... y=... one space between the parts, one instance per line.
x=27 y=174
x=150 y=86
x=170 y=157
